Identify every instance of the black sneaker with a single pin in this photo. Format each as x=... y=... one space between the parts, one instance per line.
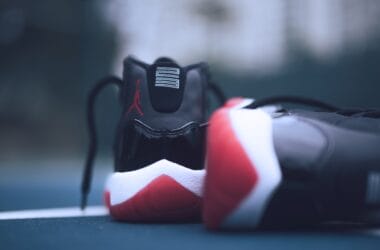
x=291 y=168
x=159 y=144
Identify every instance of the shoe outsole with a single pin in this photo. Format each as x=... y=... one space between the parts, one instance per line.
x=242 y=168
x=161 y=192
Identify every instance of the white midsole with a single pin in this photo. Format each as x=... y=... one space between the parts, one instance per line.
x=253 y=128
x=124 y=185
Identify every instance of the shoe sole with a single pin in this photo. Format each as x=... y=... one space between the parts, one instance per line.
x=161 y=192
x=242 y=169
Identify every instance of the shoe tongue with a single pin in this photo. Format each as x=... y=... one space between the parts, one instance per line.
x=166 y=74
x=166 y=84
x=165 y=60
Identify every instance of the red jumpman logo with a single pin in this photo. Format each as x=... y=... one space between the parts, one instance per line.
x=136 y=100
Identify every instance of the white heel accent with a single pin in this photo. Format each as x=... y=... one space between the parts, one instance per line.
x=253 y=128
x=123 y=186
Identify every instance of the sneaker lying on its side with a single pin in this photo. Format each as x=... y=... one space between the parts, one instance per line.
x=275 y=169
x=159 y=144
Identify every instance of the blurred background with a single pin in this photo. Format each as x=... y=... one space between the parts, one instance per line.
x=52 y=52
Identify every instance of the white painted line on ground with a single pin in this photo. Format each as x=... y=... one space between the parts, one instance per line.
x=54 y=213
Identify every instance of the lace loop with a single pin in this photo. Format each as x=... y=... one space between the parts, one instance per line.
x=370 y=113
x=292 y=99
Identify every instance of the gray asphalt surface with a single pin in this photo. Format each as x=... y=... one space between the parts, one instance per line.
x=39 y=185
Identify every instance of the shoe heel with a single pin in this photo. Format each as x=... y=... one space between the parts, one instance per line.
x=242 y=169
x=161 y=192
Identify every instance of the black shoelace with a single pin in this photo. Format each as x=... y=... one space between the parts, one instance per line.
x=373 y=113
x=93 y=143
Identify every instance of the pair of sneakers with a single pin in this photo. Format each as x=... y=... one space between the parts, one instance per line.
x=252 y=164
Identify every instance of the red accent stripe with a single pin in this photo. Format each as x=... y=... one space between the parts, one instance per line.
x=162 y=200
x=230 y=174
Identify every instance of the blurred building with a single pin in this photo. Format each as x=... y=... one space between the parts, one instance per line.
x=244 y=35
x=52 y=52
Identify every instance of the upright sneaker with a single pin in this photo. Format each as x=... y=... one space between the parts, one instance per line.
x=284 y=168
x=159 y=144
